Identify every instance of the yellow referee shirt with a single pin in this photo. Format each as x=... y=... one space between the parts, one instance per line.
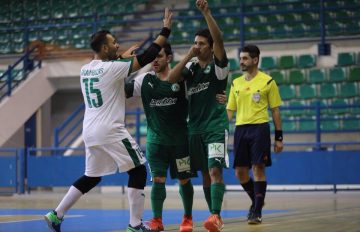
x=251 y=99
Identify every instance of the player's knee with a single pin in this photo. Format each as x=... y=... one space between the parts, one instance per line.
x=85 y=183
x=159 y=179
x=258 y=171
x=137 y=177
x=184 y=181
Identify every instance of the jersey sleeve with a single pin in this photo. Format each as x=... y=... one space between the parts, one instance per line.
x=274 y=95
x=187 y=72
x=231 y=105
x=121 y=68
x=221 y=68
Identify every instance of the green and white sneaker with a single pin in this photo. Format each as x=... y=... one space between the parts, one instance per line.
x=139 y=228
x=53 y=221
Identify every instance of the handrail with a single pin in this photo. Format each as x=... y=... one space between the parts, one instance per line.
x=28 y=65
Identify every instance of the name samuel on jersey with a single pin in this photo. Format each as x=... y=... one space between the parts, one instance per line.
x=163 y=102
x=200 y=87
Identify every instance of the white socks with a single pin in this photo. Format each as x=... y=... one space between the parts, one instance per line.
x=136 y=204
x=68 y=201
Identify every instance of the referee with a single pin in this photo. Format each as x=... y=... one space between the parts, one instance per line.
x=250 y=97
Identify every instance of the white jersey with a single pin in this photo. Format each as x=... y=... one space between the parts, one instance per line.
x=102 y=86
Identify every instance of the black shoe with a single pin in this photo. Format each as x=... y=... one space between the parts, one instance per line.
x=254 y=219
x=251 y=211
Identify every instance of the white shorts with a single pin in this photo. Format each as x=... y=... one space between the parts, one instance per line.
x=107 y=159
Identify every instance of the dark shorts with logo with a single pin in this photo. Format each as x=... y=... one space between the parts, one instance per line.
x=162 y=157
x=208 y=150
x=252 y=145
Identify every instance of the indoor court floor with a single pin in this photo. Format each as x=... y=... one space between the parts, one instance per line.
x=98 y=212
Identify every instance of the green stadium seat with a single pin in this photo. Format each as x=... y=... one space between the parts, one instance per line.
x=234 y=75
x=268 y=63
x=345 y=59
x=289 y=126
x=316 y=76
x=234 y=64
x=287 y=92
x=356 y=110
x=297 y=77
x=279 y=77
x=348 y=89
x=351 y=124
x=306 y=61
x=307 y=91
x=307 y=125
x=337 y=74
x=327 y=90
x=287 y=62
x=354 y=74
x=323 y=105
x=297 y=112
x=339 y=102
x=358 y=59
x=330 y=124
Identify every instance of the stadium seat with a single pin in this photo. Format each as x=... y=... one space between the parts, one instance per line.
x=307 y=91
x=327 y=90
x=289 y=126
x=307 y=125
x=297 y=77
x=356 y=110
x=316 y=76
x=354 y=74
x=279 y=77
x=337 y=74
x=330 y=124
x=297 y=112
x=234 y=64
x=339 y=102
x=306 y=61
x=268 y=63
x=345 y=59
x=358 y=58
x=350 y=124
x=287 y=92
x=287 y=62
x=323 y=105
x=348 y=89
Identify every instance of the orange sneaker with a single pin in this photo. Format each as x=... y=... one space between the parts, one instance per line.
x=186 y=224
x=214 y=223
x=155 y=224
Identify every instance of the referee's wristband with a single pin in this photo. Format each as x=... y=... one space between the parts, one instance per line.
x=278 y=135
x=165 y=32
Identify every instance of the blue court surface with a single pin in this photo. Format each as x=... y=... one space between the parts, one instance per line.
x=99 y=220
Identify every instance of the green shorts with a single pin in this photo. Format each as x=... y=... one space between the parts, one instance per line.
x=208 y=150
x=161 y=157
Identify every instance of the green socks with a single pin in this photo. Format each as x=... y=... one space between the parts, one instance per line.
x=158 y=195
x=207 y=193
x=217 y=196
x=187 y=195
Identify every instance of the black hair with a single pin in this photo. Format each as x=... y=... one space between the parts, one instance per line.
x=205 y=33
x=253 y=50
x=98 y=39
x=167 y=49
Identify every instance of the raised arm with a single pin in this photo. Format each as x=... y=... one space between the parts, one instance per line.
x=219 y=50
x=151 y=52
x=175 y=74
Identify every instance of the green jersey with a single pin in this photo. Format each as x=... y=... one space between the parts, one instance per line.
x=206 y=114
x=165 y=107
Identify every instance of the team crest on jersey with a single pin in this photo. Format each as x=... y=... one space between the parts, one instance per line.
x=207 y=69
x=175 y=87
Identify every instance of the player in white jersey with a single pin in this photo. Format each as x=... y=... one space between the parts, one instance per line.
x=109 y=146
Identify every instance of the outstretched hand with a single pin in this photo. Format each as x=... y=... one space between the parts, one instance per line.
x=130 y=52
x=202 y=5
x=167 y=18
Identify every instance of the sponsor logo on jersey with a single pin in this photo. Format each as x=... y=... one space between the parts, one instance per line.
x=151 y=85
x=183 y=164
x=200 y=87
x=163 y=102
x=91 y=72
x=175 y=87
x=216 y=150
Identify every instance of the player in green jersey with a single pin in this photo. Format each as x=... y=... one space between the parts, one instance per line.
x=208 y=123
x=165 y=106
